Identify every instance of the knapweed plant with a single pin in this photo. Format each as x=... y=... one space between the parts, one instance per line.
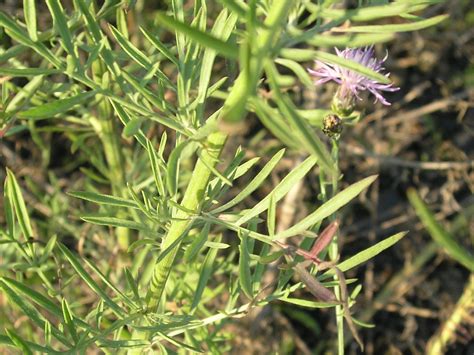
x=167 y=226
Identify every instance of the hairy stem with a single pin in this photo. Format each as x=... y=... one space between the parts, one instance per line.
x=192 y=200
x=447 y=332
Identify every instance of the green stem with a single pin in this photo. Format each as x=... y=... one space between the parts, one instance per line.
x=333 y=247
x=447 y=332
x=192 y=200
x=258 y=48
x=105 y=127
x=334 y=254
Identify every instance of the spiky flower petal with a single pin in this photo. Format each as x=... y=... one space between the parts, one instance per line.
x=352 y=83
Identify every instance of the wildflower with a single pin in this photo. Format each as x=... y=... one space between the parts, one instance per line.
x=351 y=82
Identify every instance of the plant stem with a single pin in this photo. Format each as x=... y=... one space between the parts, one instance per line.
x=333 y=247
x=447 y=332
x=192 y=200
x=334 y=252
x=105 y=127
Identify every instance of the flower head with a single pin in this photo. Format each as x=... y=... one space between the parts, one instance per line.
x=351 y=82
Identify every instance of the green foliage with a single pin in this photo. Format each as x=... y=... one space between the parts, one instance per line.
x=141 y=250
x=444 y=239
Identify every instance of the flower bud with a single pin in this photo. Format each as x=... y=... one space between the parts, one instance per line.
x=343 y=103
x=332 y=125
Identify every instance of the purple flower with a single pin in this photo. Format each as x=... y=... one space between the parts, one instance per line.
x=351 y=82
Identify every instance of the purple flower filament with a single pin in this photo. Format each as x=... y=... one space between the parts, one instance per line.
x=352 y=83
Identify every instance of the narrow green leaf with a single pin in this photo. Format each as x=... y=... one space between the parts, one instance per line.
x=132 y=127
x=246 y=83
x=68 y=321
x=232 y=226
x=328 y=208
x=254 y=184
x=217 y=188
x=148 y=94
x=19 y=204
x=132 y=285
x=116 y=222
x=33 y=295
x=280 y=190
x=274 y=122
x=439 y=234
x=216 y=245
x=6 y=340
x=180 y=344
x=225 y=48
x=76 y=264
x=214 y=171
x=159 y=46
x=204 y=276
x=267 y=259
x=10 y=287
x=198 y=242
x=53 y=108
x=19 y=342
x=91 y=22
x=48 y=248
x=29 y=9
x=25 y=307
x=236 y=6
x=14 y=30
x=107 y=282
x=103 y=199
x=311 y=141
x=365 y=255
x=173 y=166
x=308 y=304
x=9 y=208
x=315 y=117
x=222 y=29
x=17 y=33
x=299 y=71
x=60 y=23
x=370 y=12
x=350 y=40
x=121 y=20
x=260 y=268
x=124 y=117
x=363 y=324
x=142 y=242
x=271 y=218
x=20 y=72
x=12 y=52
x=134 y=53
x=391 y=28
x=47 y=332
x=245 y=167
x=155 y=165
x=245 y=277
